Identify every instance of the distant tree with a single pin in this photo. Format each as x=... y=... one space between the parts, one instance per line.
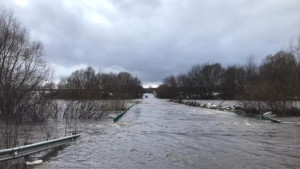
x=275 y=85
x=164 y=91
x=87 y=84
x=80 y=79
x=185 y=85
x=233 y=82
x=294 y=48
x=280 y=71
x=211 y=78
x=195 y=74
x=206 y=78
x=171 y=83
x=228 y=84
x=251 y=69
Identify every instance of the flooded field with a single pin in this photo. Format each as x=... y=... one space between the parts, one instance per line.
x=65 y=117
x=160 y=134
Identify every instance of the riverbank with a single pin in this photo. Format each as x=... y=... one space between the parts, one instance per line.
x=234 y=107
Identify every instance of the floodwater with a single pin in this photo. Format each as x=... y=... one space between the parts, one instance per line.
x=160 y=134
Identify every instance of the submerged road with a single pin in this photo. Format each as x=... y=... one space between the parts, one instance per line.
x=160 y=134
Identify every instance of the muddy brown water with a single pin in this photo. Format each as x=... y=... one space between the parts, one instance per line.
x=160 y=134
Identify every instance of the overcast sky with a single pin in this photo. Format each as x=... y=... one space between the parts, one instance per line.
x=155 y=38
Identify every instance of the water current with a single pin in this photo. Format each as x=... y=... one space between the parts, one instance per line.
x=159 y=134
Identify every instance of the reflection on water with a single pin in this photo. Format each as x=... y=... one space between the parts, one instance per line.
x=160 y=134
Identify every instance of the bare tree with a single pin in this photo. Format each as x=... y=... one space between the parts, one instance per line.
x=275 y=85
x=251 y=69
x=294 y=47
x=206 y=78
x=22 y=70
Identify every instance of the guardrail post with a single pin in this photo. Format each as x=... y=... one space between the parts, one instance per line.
x=28 y=156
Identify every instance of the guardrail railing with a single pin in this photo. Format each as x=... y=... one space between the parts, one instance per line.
x=22 y=151
x=120 y=115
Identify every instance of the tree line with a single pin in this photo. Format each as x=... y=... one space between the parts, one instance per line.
x=207 y=81
x=273 y=85
x=87 y=84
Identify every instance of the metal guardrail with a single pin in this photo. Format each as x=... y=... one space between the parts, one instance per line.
x=17 y=152
x=264 y=117
x=120 y=115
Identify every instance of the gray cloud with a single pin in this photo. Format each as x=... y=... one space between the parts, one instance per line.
x=153 y=39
